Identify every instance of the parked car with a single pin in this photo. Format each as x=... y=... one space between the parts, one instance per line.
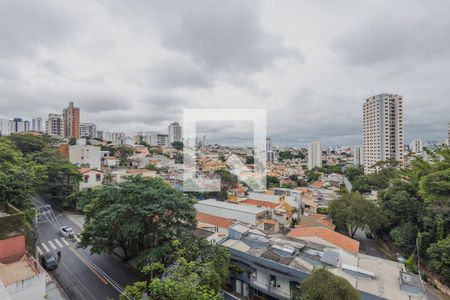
x=66 y=231
x=49 y=262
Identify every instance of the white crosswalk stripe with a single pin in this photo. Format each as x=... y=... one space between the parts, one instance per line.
x=64 y=241
x=52 y=245
x=45 y=247
x=39 y=251
x=78 y=239
x=58 y=243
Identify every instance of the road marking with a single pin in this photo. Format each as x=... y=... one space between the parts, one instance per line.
x=52 y=245
x=58 y=243
x=39 y=250
x=77 y=238
x=86 y=262
x=64 y=241
x=45 y=247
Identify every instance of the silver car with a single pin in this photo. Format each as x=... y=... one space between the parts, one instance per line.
x=66 y=231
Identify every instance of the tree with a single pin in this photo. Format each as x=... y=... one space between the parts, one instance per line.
x=352 y=211
x=250 y=160
x=353 y=172
x=20 y=177
x=323 y=285
x=177 y=145
x=439 y=256
x=282 y=155
x=134 y=215
x=152 y=167
x=404 y=237
x=272 y=181
x=123 y=152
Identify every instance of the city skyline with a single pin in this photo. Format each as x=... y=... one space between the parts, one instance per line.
x=312 y=79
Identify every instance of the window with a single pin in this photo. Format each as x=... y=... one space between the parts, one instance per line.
x=98 y=177
x=86 y=178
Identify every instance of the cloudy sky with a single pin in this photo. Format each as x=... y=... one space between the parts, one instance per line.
x=134 y=65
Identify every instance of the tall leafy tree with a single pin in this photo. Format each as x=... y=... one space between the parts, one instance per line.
x=134 y=215
x=352 y=211
x=439 y=256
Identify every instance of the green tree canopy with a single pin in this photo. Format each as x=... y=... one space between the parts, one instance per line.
x=352 y=211
x=177 y=145
x=324 y=285
x=439 y=256
x=136 y=214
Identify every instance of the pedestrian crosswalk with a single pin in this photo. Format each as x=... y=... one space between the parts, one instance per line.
x=55 y=244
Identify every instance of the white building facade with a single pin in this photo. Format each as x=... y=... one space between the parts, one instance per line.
x=314 y=155
x=85 y=156
x=174 y=133
x=416 y=146
x=55 y=125
x=382 y=130
x=5 y=127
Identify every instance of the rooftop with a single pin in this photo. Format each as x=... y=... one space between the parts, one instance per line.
x=231 y=206
x=328 y=235
x=214 y=220
x=20 y=270
x=260 y=203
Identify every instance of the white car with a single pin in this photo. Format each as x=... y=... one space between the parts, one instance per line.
x=66 y=231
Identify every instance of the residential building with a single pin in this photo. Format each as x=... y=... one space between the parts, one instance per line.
x=151 y=138
x=416 y=146
x=19 y=125
x=99 y=134
x=162 y=140
x=21 y=276
x=5 y=126
x=244 y=213
x=215 y=224
x=85 y=156
x=36 y=124
x=90 y=178
x=358 y=156
x=174 y=133
x=314 y=155
x=270 y=155
x=274 y=265
x=88 y=130
x=113 y=136
x=55 y=125
x=382 y=130
x=71 y=116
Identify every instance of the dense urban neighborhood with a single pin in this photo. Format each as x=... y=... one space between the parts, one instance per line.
x=89 y=214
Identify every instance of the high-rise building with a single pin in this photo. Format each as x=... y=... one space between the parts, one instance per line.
x=314 y=155
x=416 y=146
x=36 y=124
x=99 y=134
x=358 y=156
x=174 y=132
x=382 y=130
x=71 y=116
x=55 y=125
x=162 y=140
x=19 y=125
x=5 y=126
x=88 y=130
x=113 y=136
x=270 y=156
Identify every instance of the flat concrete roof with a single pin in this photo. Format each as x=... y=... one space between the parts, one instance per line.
x=232 y=206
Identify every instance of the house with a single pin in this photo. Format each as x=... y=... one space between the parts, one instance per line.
x=119 y=175
x=90 y=178
x=21 y=276
x=85 y=156
x=274 y=265
x=325 y=236
x=213 y=223
x=243 y=213
x=315 y=220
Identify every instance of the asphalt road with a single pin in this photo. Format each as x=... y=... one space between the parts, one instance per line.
x=82 y=275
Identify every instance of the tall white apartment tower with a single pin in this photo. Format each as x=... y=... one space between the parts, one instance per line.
x=36 y=124
x=382 y=130
x=416 y=146
x=174 y=133
x=358 y=156
x=55 y=125
x=5 y=127
x=314 y=155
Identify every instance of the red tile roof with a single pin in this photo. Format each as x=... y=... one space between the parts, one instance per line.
x=214 y=220
x=317 y=184
x=328 y=235
x=260 y=203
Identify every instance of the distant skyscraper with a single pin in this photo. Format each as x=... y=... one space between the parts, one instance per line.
x=88 y=130
x=55 y=125
x=382 y=130
x=71 y=116
x=416 y=146
x=19 y=125
x=358 y=156
x=162 y=140
x=36 y=124
x=99 y=134
x=314 y=155
x=174 y=133
x=270 y=156
x=5 y=127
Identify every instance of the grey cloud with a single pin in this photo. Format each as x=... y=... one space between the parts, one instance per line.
x=225 y=36
x=25 y=26
x=415 y=32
